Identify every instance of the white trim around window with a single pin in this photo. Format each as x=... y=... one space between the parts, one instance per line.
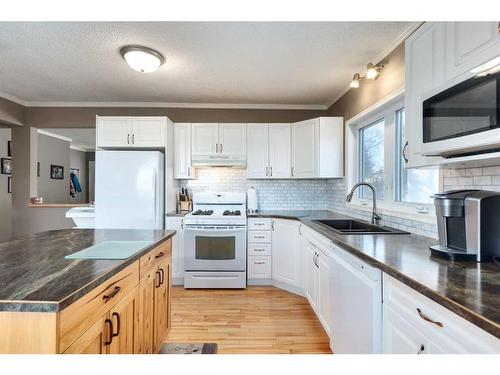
x=385 y=109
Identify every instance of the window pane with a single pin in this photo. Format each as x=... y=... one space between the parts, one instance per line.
x=413 y=185
x=371 y=165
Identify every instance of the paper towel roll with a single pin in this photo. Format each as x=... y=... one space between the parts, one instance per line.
x=252 y=202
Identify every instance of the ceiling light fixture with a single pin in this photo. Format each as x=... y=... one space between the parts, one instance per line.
x=372 y=72
x=142 y=59
x=355 y=81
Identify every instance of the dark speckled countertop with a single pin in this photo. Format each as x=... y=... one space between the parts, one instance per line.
x=469 y=289
x=35 y=276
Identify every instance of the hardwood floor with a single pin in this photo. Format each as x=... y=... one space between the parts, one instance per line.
x=259 y=319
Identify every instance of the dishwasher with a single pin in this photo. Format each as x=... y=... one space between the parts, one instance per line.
x=356 y=305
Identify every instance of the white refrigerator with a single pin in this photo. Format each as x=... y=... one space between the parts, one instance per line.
x=129 y=189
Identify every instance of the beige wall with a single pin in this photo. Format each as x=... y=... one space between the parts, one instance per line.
x=370 y=92
x=11 y=113
x=5 y=197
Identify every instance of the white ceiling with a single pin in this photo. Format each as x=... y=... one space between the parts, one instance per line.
x=291 y=63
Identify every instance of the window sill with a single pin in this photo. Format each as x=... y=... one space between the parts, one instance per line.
x=400 y=211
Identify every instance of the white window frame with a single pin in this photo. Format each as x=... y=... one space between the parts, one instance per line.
x=386 y=108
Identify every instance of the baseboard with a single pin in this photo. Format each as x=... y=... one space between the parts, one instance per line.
x=259 y=282
x=288 y=288
x=178 y=280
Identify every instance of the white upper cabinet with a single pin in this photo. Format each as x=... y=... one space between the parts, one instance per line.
x=424 y=67
x=127 y=132
x=113 y=131
x=279 y=151
x=268 y=150
x=232 y=139
x=205 y=139
x=469 y=44
x=257 y=150
x=182 y=158
x=318 y=148
x=148 y=131
x=286 y=252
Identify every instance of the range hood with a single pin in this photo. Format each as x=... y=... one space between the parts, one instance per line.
x=236 y=161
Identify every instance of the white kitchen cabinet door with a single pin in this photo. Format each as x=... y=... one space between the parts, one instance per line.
x=311 y=274
x=205 y=139
x=470 y=44
x=257 y=150
x=304 y=149
x=424 y=65
x=114 y=131
x=400 y=337
x=286 y=252
x=177 y=224
x=324 y=303
x=182 y=151
x=259 y=267
x=148 y=131
x=279 y=150
x=233 y=139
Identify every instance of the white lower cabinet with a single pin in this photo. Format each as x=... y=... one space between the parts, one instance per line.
x=414 y=323
x=177 y=223
x=259 y=250
x=286 y=252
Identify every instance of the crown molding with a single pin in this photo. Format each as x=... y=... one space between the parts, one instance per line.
x=317 y=107
x=12 y=98
x=391 y=47
x=53 y=135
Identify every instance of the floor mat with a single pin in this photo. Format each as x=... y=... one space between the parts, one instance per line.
x=188 y=348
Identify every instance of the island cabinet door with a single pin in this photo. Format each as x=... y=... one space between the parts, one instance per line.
x=94 y=341
x=125 y=325
x=146 y=311
x=162 y=304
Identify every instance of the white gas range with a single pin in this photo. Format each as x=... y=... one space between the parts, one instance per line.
x=215 y=241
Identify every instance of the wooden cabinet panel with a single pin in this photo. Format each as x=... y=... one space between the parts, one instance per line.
x=79 y=316
x=125 y=323
x=146 y=313
x=152 y=259
x=93 y=340
x=161 y=305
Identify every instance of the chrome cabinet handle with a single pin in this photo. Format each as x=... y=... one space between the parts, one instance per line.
x=259 y=249
x=128 y=139
x=427 y=319
x=272 y=225
x=292 y=171
x=271 y=168
x=189 y=171
x=259 y=237
x=267 y=172
x=300 y=232
x=421 y=349
x=133 y=139
x=220 y=148
x=216 y=148
x=258 y=262
x=259 y=224
x=403 y=152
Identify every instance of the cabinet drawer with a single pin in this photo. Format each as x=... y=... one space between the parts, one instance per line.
x=259 y=224
x=255 y=236
x=155 y=257
x=82 y=314
x=258 y=249
x=452 y=333
x=259 y=267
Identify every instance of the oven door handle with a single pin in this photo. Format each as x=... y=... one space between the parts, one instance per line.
x=215 y=230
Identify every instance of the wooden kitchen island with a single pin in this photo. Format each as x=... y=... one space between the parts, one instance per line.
x=50 y=304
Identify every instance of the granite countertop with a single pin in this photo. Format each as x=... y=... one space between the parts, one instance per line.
x=469 y=289
x=36 y=277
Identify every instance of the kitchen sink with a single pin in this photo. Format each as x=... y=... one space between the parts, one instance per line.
x=348 y=226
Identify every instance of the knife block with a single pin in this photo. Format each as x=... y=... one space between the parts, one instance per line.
x=185 y=205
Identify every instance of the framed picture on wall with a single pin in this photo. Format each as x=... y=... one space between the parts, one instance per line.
x=6 y=166
x=9 y=184
x=9 y=148
x=57 y=172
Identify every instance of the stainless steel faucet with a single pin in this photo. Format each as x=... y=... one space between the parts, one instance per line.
x=375 y=216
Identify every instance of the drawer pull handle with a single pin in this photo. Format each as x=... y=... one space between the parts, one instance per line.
x=259 y=237
x=421 y=349
x=258 y=262
x=427 y=319
x=259 y=249
x=110 y=330
x=117 y=324
x=159 y=255
x=115 y=291
x=259 y=224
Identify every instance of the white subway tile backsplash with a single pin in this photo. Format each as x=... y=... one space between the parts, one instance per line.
x=473 y=171
x=482 y=180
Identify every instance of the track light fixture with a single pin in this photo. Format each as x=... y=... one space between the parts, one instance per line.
x=372 y=72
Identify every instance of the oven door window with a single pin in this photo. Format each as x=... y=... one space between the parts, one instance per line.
x=215 y=248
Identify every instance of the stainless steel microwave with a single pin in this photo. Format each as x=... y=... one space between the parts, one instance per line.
x=464 y=119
